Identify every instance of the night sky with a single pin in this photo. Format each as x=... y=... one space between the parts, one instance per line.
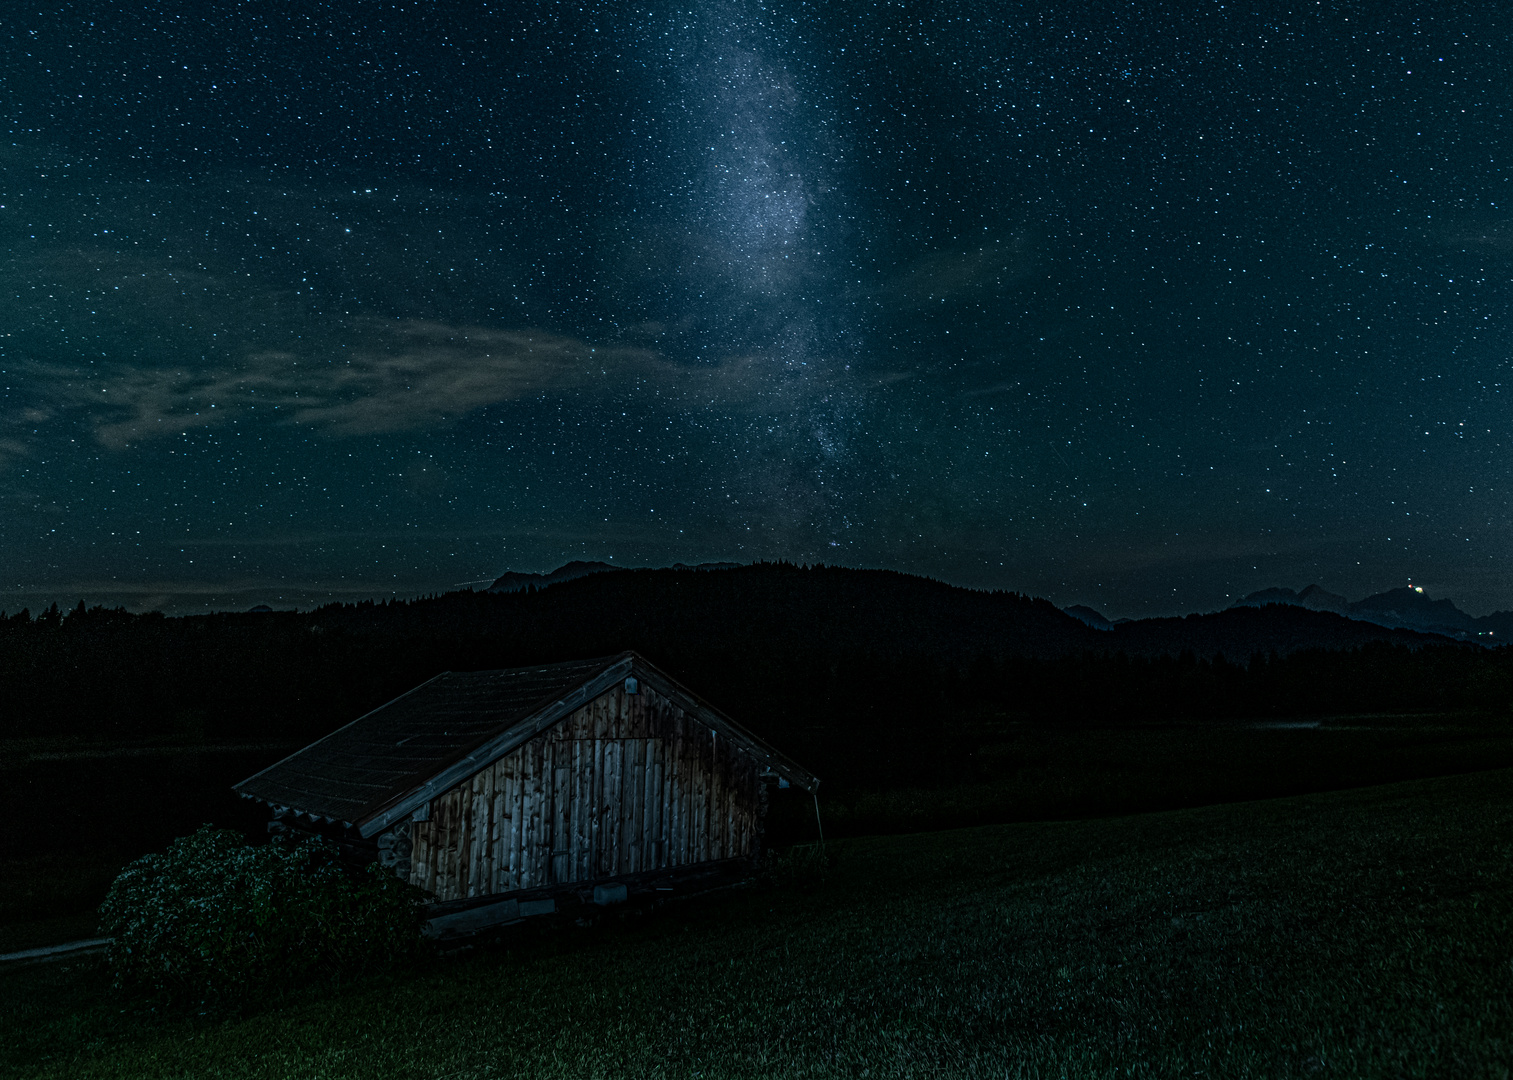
x=1143 y=306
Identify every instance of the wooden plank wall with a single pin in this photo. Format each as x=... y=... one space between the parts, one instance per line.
x=628 y=783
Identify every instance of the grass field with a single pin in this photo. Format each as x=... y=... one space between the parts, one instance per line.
x=1036 y=773
x=1366 y=933
x=76 y=814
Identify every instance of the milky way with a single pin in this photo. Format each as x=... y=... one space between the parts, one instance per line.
x=1139 y=306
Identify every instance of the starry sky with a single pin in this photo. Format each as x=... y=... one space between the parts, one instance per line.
x=1137 y=305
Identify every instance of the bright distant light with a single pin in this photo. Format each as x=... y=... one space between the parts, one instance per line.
x=1418 y=588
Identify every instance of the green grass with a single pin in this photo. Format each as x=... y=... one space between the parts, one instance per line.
x=1039 y=773
x=1364 y=933
x=79 y=812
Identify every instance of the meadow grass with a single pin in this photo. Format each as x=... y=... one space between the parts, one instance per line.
x=1366 y=933
x=1031 y=772
x=78 y=813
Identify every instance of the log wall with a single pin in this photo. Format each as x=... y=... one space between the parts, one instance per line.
x=626 y=784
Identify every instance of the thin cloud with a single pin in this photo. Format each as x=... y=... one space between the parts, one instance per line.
x=13 y=429
x=432 y=373
x=406 y=376
x=400 y=377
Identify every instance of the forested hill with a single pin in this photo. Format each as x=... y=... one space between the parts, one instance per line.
x=805 y=655
x=749 y=609
x=756 y=610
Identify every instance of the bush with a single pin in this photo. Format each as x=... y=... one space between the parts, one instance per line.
x=214 y=921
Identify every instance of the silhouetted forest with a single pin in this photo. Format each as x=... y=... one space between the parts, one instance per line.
x=872 y=675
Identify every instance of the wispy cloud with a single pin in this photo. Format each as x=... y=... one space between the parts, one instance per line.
x=405 y=376
x=14 y=427
x=392 y=377
x=1484 y=231
x=1491 y=236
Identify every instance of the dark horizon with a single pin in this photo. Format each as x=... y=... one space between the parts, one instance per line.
x=260 y=598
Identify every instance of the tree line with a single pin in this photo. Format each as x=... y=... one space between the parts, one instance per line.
x=870 y=674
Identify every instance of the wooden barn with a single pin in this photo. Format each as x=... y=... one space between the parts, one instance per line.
x=507 y=793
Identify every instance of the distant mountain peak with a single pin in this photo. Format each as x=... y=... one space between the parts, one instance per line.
x=1084 y=614
x=1407 y=607
x=514 y=580
x=1407 y=596
x=1318 y=598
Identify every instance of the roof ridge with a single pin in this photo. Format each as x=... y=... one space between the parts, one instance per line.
x=376 y=769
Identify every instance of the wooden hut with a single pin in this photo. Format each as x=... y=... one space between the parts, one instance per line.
x=507 y=793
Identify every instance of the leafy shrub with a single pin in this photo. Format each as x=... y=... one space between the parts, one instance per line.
x=214 y=920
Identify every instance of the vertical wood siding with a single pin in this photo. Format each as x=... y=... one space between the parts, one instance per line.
x=627 y=783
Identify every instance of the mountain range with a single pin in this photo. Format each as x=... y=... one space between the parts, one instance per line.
x=1407 y=608
x=891 y=612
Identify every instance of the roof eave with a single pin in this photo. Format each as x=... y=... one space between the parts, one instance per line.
x=279 y=808
x=237 y=787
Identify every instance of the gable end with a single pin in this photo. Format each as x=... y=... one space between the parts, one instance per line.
x=491 y=751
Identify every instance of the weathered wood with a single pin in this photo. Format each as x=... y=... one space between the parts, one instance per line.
x=614 y=803
x=499 y=825
x=635 y=803
x=654 y=803
x=516 y=799
x=699 y=778
x=486 y=823
x=469 y=881
x=530 y=816
x=583 y=724
x=483 y=828
x=562 y=811
x=456 y=866
x=520 y=828
x=627 y=784
x=436 y=862
x=422 y=855
x=464 y=842
x=716 y=829
x=421 y=835
x=675 y=799
x=573 y=856
x=659 y=794
x=438 y=868
x=691 y=785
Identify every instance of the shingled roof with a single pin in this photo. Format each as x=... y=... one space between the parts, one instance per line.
x=382 y=766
